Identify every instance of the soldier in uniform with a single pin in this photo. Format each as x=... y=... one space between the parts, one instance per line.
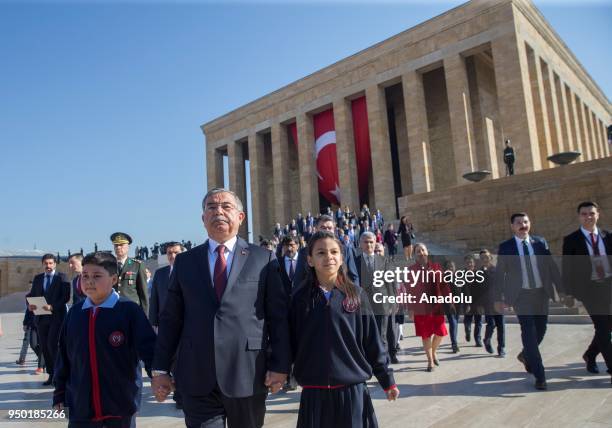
x=132 y=277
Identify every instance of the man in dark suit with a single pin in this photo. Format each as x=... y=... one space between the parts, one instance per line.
x=159 y=292
x=161 y=280
x=587 y=276
x=367 y=263
x=55 y=288
x=288 y=261
x=326 y=223
x=524 y=279
x=75 y=263
x=227 y=308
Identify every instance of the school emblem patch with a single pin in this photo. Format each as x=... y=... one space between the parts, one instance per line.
x=116 y=339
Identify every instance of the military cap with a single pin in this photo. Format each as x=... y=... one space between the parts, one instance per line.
x=120 y=238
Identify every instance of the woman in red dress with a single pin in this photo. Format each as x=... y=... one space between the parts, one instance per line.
x=428 y=317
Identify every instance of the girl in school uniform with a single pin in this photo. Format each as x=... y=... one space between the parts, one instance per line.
x=336 y=345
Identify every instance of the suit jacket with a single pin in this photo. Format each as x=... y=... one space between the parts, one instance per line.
x=287 y=282
x=230 y=343
x=133 y=283
x=366 y=279
x=349 y=264
x=509 y=275
x=577 y=266
x=159 y=291
x=57 y=295
x=76 y=296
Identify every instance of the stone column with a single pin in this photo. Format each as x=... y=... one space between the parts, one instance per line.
x=256 y=153
x=563 y=114
x=384 y=192
x=584 y=129
x=552 y=106
x=280 y=174
x=418 y=132
x=515 y=102
x=541 y=108
x=460 y=111
x=214 y=167
x=345 y=149
x=237 y=181
x=575 y=109
x=591 y=128
x=309 y=187
x=604 y=138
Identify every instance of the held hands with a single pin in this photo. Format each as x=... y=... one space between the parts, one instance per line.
x=32 y=307
x=275 y=381
x=59 y=407
x=392 y=393
x=48 y=308
x=162 y=385
x=499 y=307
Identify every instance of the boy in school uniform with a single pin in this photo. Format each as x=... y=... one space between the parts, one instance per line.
x=101 y=342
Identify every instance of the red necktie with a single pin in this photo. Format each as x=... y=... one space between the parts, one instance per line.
x=598 y=266
x=78 y=284
x=220 y=275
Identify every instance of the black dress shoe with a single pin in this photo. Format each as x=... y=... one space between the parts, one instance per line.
x=455 y=348
x=468 y=335
x=540 y=385
x=430 y=368
x=48 y=381
x=501 y=352
x=591 y=365
x=394 y=359
x=478 y=343
x=522 y=359
x=488 y=347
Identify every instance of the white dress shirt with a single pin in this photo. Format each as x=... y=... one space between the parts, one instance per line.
x=605 y=263
x=288 y=264
x=534 y=263
x=230 y=246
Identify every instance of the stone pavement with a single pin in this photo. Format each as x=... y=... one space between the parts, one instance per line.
x=469 y=389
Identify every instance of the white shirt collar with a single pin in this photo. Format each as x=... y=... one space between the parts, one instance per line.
x=52 y=273
x=587 y=233
x=122 y=261
x=230 y=244
x=520 y=241
x=294 y=258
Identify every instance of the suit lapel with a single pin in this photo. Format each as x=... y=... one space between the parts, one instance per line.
x=241 y=253
x=204 y=270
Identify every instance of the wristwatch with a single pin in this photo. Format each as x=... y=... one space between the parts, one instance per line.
x=156 y=373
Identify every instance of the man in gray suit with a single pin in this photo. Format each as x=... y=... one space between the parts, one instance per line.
x=367 y=263
x=227 y=308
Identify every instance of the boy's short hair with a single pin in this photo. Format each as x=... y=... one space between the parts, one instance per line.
x=103 y=259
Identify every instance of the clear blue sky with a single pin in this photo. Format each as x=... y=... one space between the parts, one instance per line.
x=101 y=103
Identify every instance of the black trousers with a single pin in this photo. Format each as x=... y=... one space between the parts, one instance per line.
x=48 y=334
x=215 y=409
x=602 y=321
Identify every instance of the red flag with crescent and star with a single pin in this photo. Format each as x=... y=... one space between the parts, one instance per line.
x=325 y=155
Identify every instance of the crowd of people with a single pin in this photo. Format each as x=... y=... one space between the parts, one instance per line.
x=228 y=322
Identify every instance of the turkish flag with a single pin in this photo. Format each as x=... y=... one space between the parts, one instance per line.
x=327 y=161
x=361 y=132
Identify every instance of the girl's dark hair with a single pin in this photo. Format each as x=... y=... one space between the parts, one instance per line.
x=344 y=283
x=103 y=259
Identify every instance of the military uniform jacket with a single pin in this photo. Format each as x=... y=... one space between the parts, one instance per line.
x=133 y=283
